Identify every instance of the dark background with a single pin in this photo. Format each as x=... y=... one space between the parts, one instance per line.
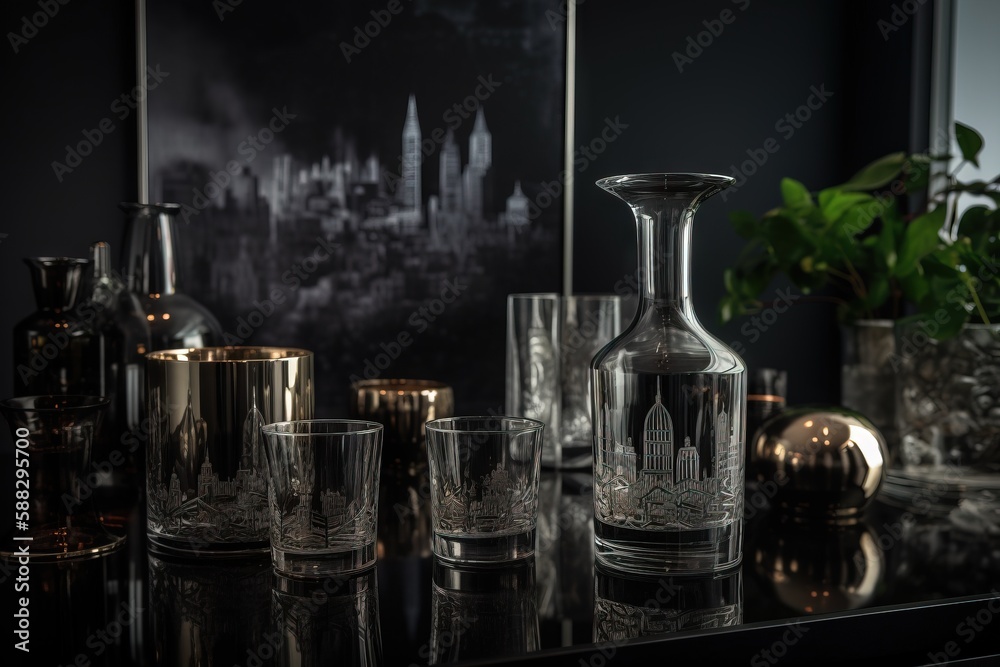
x=727 y=101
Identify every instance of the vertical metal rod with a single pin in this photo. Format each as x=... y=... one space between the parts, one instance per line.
x=142 y=135
x=568 y=151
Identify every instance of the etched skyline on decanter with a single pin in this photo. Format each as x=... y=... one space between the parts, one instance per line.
x=669 y=401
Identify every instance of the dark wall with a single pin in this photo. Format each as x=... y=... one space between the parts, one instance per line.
x=711 y=114
x=61 y=82
x=704 y=118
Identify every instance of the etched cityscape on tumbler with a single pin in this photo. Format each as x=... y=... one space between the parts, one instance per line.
x=337 y=524
x=499 y=505
x=206 y=506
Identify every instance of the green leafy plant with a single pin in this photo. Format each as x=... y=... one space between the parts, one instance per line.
x=853 y=245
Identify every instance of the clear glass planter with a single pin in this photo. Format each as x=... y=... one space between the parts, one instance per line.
x=947 y=460
x=669 y=404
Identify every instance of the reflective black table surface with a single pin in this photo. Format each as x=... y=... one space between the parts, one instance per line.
x=890 y=590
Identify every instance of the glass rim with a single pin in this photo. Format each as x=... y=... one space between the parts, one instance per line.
x=86 y=402
x=534 y=296
x=657 y=179
x=228 y=354
x=527 y=425
x=370 y=427
x=596 y=296
x=52 y=260
x=403 y=385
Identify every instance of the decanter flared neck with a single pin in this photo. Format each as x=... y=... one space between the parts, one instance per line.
x=150 y=260
x=664 y=206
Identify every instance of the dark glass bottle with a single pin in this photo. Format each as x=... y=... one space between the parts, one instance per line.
x=123 y=335
x=175 y=319
x=56 y=349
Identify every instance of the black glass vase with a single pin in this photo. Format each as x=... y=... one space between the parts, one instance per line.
x=56 y=348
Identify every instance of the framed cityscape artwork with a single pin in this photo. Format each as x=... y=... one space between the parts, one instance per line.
x=365 y=180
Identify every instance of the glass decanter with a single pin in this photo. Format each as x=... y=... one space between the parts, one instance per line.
x=175 y=319
x=669 y=404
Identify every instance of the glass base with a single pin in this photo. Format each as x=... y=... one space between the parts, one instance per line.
x=320 y=563
x=60 y=545
x=191 y=547
x=484 y=550
x=941 y=490
x=702 y=551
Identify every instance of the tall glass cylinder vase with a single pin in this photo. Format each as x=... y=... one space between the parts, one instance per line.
x=669 y=404
x=175 y=319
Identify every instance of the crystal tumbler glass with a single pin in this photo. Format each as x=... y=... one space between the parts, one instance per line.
x=323 y=495
x=484 y=487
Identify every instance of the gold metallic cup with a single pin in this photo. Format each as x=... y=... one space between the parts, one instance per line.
x=403 y=407
x=206 y=468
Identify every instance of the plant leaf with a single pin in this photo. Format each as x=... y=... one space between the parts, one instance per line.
x=919 y=239
x=892 y=229
x=795 y=194
x=969 y=141
x=745 y=223
x=790 y=240
x=878 y=174
x=978 y=223
x=837 y=204
x=878 y=291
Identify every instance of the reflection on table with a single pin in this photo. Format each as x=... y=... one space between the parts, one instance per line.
x=335 y=616
x=135 y=608
x=631 y=607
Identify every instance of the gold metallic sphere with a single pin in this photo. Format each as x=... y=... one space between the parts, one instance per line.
x=821 y=462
